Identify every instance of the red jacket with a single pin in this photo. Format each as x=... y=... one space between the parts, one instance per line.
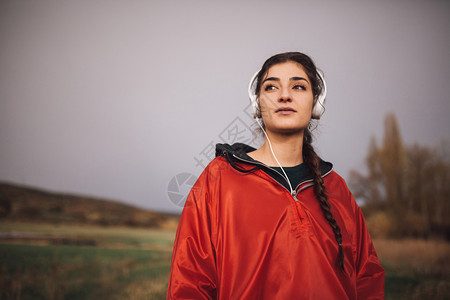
x=244 y=236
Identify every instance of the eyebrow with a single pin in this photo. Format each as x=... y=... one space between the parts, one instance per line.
x=295 y=78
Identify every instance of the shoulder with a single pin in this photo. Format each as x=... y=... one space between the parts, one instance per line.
x=213 y=171
x=216 y=166
x=338 y=190
x=206 y=182
x=335 y=180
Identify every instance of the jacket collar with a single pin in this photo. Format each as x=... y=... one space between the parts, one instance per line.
x=238 y=153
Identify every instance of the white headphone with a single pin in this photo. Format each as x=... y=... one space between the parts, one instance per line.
x=317 y=110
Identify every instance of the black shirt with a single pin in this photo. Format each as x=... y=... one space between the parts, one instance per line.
x=295 y=173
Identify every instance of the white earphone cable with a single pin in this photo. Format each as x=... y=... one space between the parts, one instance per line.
x=271 y=149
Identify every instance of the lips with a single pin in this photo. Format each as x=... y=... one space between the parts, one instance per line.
x=285 y=110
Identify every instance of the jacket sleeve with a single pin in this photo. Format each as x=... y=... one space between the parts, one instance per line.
x=193 y=268
x=369 y=272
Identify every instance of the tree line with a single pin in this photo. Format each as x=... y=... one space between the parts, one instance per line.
x=405 y=190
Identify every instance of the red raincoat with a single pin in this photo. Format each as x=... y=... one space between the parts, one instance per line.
x=244 y=236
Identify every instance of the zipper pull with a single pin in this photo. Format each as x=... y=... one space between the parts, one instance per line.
x=294 y=195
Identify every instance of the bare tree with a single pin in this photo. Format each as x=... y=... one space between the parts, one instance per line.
x=410 y=184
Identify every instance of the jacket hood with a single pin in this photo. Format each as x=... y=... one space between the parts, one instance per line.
x=237 y=153
x=238 y=149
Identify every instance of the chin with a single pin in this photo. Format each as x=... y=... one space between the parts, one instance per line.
x=289 y=130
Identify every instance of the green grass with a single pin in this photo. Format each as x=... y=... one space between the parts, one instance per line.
x=416 y=286
x=415 y=269
x=44 y=272
x=396 y=285
x=127 y=263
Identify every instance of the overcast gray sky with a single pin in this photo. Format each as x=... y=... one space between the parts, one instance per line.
x=116 y=98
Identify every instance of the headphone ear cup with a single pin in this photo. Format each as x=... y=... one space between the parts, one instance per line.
x=319 y=106
x=252 y=96
x=256 y=112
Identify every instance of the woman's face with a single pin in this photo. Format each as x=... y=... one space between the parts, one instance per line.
x=286 y=98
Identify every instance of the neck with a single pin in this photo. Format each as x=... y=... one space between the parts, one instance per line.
x=287 y=148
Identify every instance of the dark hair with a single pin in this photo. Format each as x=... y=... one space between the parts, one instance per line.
x=309 y=155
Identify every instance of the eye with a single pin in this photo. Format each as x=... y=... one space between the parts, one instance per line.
x=269 y=87
x=299 y=87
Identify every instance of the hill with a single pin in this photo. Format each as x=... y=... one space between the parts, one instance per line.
x=27 y=204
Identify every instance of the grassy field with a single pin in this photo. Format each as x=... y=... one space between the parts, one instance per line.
x=40 y=261
x=415 y=269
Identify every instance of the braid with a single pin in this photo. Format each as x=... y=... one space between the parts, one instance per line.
x=312 y=161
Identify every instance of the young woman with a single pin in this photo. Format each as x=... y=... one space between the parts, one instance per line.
x=276 y=222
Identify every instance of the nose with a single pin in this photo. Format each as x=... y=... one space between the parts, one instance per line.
x=285 y=96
